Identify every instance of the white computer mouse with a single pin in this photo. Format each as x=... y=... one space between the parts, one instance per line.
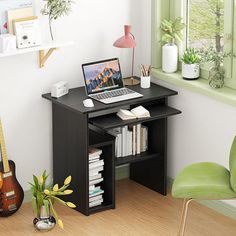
x=88 y=103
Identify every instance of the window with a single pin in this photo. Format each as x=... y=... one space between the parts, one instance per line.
x=209 y=23
x=206 y=24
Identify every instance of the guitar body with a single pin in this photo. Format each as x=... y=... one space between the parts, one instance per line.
x=11 y=193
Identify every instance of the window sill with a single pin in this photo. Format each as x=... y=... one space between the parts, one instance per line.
x=201 y=86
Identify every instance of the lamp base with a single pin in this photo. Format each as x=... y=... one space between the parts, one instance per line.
x=131 y=81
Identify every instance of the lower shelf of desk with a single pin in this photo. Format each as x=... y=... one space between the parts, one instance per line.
x=136 y=158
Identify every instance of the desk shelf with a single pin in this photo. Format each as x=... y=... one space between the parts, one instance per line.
x=97 y=140
x=136 y=158
x=112 y=121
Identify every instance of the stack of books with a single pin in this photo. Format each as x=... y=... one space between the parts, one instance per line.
x=130 y=140
x=96 y=167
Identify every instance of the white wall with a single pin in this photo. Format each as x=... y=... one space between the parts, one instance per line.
x=203 y=132
x=94 y=26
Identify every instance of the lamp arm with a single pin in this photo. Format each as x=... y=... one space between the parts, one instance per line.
x=132 y=75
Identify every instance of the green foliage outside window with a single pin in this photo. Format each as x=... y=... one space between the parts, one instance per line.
x=206 y=24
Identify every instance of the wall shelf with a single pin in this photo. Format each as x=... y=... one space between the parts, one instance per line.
x=45 y=50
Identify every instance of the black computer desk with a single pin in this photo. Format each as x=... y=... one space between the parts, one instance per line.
x=76 y=128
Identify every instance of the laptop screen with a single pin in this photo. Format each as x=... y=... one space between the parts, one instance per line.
x=102 y=75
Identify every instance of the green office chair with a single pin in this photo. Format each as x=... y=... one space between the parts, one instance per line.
x=205 y=180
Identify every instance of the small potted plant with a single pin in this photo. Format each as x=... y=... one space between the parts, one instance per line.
x=171 y=34
x=43 y=198
x=217 y=71
x=190 y=64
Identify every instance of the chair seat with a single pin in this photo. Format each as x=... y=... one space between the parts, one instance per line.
x=203 y=180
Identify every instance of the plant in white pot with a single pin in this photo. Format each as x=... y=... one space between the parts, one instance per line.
x=190 y=64
x=171 y=33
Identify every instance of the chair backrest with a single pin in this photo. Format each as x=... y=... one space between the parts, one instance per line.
x=232 y=165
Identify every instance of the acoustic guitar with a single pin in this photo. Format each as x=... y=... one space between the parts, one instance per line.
x=11 y=193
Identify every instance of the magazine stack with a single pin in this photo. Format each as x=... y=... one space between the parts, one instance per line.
x=96 y=167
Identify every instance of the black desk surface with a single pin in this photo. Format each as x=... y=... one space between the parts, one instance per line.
x=74 y=99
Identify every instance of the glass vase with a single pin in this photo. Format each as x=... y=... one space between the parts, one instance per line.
x=216 y=77
x=45 y=222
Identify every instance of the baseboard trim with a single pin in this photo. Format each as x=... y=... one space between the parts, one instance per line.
x=216 y=205
x=122 y=172
x=28 y=196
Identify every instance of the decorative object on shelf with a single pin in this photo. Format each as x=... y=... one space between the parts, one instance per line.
x=27 y=32
x=55 y=9
x=7 y=43
x=60 y=89
x=171 y=33
x=5 y=6
x=14 y=14
x=128 y=41
x=217 y=71
x=191 y=64
x=145 y=76
x=11 y=192
x=43 y=199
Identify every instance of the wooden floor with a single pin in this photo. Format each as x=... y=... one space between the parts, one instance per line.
x=139 y=211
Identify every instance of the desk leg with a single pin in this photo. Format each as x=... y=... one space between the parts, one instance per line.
x=70 y=145
x=153 y=173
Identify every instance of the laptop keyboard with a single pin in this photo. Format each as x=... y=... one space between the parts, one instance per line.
x=113 y=93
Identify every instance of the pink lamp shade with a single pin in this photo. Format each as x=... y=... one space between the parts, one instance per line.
x=127 y=41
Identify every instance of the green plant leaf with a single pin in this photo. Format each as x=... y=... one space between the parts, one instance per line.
x=36 y=182
x=35 y=207
x=46 y=204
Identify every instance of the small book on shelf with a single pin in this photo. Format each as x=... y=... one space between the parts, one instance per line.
x=94 y=153
x=96 y=203
x=95 y=181
x=93 y=177
x=96 y=170
x=96 y=164
x=135 y=113
x=96 y=198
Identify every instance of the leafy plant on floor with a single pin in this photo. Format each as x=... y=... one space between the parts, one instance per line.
x=191 y=56
x=45 y=195
x=172 y=30
x=55 y=9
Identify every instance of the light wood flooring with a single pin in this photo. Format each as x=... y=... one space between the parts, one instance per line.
x=139 y=212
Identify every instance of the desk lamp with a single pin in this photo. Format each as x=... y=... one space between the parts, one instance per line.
x=128 y=41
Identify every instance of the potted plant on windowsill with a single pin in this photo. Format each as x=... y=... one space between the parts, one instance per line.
x=190 y=64
x=43 y=198
x=217 y=71
x=171 y=34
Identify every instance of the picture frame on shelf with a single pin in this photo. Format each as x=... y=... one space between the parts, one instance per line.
x=14 y=14
x=6 y=5
x=27 y=31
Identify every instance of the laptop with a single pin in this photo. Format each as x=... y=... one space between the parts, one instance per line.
x=103 y=82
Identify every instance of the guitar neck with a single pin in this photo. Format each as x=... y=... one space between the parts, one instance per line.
x=6 y=167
